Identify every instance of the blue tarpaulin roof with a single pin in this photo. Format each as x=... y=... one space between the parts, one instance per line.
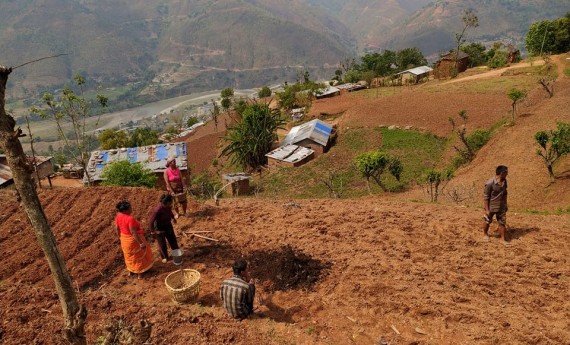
x=152 y=157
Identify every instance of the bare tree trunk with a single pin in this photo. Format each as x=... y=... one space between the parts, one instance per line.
x=73 y=313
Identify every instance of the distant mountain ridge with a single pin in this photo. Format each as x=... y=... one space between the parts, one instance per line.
x=125 y=40
x=198 y=45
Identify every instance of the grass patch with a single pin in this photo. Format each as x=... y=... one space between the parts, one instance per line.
x=418 y=152
x=489 y=85
x=378 y=92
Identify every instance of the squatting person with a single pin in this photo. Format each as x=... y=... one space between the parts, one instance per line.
x=238 y=292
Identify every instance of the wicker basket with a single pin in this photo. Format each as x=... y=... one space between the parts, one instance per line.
x=183 y=285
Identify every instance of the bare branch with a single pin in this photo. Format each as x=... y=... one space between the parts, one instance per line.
x=40 y=59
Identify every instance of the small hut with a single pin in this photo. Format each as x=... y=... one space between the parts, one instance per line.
x=289 y=156
x=238 y=183
x=445 y=66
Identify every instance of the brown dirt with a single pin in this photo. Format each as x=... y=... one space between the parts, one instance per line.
x=329 y=271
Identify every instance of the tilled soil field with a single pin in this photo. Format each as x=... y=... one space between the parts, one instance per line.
x=363 y=271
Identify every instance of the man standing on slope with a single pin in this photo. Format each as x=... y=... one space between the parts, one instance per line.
x=495 y=202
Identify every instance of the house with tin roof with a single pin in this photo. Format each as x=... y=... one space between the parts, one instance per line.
x=414 y=75
x=289 y=156
x=152 y=157
x=315 y=135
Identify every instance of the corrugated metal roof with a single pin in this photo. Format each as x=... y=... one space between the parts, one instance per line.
x=290 y=153
x=152 y=157
x=5 y=174
x=236 y=177
x=329 y=90
x=316 y=130
x=418 y=70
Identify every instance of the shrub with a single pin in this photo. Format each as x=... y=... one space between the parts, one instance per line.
x=123 y=173
x=264 y=92
x=374 y=163
x=205 y=186
x=498 y=60
x=478 y=139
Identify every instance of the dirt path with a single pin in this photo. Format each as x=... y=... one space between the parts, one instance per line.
x=494 y=72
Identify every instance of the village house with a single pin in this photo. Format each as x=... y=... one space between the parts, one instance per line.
x=152 y=157
x=289 y=156
x=329 y=91
x=445 y=66
x=315 y=135
x=415 y=75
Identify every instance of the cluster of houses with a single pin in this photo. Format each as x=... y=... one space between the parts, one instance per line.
x=302 y=144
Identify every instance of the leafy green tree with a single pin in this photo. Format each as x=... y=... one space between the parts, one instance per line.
x=240 y=106
x=549 y=36
x=410 y=58
x=143 y=137
x=470 y=20
x=227 y=96
x=291 y=96
x=515 y=95
x=368 y=76
x=374 y=163
x=112 y=139
x=379 y=63
x=123 y=173
x=352 y=76
x=192 y=121
x=553 y=145
x=498 y=60
x=540 y=38
x=264 y=92
x=252 y=136
x=476 y=52
x=434 y=179
x=74 y=109
x=561 y=28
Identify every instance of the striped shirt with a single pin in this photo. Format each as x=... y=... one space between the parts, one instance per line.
x=237 y=297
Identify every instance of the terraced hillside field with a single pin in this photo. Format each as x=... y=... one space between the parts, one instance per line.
x=359 y=271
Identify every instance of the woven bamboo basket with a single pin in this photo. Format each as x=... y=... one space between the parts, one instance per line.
x=183 y=285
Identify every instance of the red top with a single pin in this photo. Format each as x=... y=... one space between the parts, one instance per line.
x=173 y=175
x=125 y=222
